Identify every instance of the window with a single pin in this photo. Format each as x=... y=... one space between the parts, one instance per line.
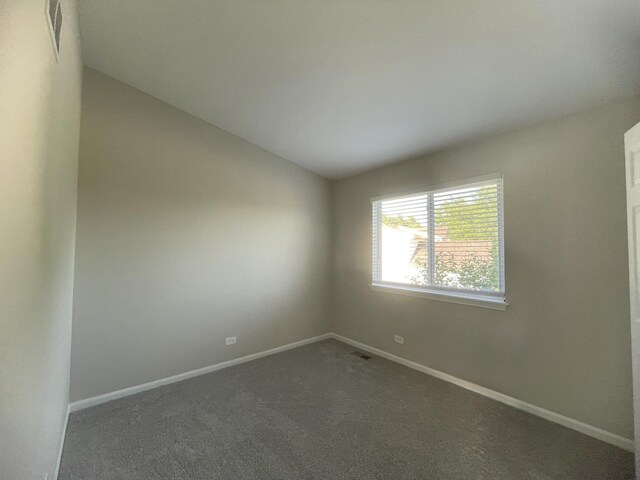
x=445 y=243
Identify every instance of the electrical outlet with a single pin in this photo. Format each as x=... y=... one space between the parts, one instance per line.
x=398 y=339
x=230 y=341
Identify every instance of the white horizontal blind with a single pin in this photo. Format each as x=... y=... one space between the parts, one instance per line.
x=446 y=239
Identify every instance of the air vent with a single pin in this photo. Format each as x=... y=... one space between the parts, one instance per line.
x=54 y=18
x=361 y=355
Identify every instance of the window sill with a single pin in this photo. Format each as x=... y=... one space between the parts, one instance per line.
x=472 y=299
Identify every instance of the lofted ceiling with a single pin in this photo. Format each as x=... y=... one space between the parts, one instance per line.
x=343 y=86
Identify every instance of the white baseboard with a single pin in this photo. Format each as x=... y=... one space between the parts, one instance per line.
x=125 y=392
x=571 y=423
x=62 y=437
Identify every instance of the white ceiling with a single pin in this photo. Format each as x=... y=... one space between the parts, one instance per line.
x=342 y=86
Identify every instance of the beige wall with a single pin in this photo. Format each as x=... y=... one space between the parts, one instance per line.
x=563 y=344
x=186 y=235
x=39 y=127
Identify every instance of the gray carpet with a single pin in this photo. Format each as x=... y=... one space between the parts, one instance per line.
x=318 y=412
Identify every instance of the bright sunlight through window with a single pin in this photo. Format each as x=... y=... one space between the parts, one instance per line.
x=445 y=243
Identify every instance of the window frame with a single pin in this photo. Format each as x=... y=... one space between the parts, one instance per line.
x=486 y=299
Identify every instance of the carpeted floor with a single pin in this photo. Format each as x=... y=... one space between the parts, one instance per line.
x=318 y=412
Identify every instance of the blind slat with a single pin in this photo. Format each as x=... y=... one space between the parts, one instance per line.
x=449 y=238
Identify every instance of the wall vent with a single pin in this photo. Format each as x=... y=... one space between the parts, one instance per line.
x=54 y=18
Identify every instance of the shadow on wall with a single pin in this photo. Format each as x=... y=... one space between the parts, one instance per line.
x=186 y=235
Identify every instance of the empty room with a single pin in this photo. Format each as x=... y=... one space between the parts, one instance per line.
x=319 y=239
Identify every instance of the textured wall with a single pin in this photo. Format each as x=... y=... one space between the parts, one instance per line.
x=186 y=235
x=563 y=344
x=39 y=128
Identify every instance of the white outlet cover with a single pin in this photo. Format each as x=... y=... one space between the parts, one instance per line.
x=230 y=341
x=398 y=339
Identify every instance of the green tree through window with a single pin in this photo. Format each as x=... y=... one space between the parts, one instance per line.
x=398 y=221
